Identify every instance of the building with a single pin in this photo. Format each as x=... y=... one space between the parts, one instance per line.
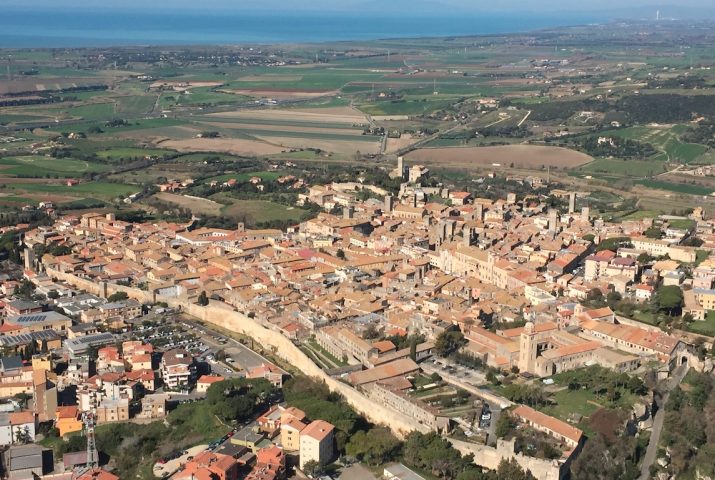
x=81 y=345
x=24 y=462
x=178 y=370
x=292 y=423
x=37 y=322
x=398 y=471
x=386 y=394
x=554 y=427
x=97 y=474
x=17 y=427
x=208 y=465
x=205 y=381
x=154 y=406
x=316 y=443
x=68 y=420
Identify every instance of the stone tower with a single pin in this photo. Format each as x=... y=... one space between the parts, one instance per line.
x=527 y=348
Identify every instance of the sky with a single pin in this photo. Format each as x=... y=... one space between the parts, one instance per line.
x=391 y=5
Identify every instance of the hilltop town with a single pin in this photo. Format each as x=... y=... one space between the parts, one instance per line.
x=427 y=310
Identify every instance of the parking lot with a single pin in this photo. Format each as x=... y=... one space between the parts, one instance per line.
x=469 y=380
x=445 y=368
x=238 y=355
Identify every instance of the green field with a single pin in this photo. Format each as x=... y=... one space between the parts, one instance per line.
x=257 y=211
x=704 y=327
x=128 y=152
x=405 y=107
x=83 y=190
x=665 y=139
x=37 y=167
x=244 y=177
x=676 y=187
x=610 y=167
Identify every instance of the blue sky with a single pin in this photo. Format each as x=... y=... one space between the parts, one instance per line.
x=352 y=5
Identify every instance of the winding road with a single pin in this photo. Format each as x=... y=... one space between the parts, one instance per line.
x=652 y=451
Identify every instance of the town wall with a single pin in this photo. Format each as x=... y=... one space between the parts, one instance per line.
x=223 y=316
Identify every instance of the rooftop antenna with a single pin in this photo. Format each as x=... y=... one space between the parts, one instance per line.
x=88 y=420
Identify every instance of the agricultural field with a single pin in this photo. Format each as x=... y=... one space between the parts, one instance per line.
x=132 y=153
x=511 y=156
x=40 y=166
x=244 y=177
x=666 y=139
x=613 y=168
x=676 y=187
x=198 y=206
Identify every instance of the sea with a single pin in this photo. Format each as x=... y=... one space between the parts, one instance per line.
x=61 y=28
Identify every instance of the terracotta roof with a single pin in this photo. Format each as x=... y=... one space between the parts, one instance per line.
x=318 y=429
x=555 y=425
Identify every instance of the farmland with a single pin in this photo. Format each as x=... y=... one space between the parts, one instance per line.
x=40 y=166
x=453 y=104
x=665 y=139
x=515 y=156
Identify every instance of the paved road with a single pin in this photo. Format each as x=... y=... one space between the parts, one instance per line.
x=652 y=450
x=243 y=356
x=496 y=401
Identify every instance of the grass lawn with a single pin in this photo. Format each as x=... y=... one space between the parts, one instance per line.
x=640 y=215
x=98 y=189
x=704 y=327
x=40 y=166
x=339 y=362
x=257 y=211
x=683 y=224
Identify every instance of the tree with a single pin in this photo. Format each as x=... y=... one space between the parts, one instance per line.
x=22 y=436
x=340 y=254
x=654 y=232
x=312 y=468
x=510 y=469
x=449 y=342
x=504 y=425
x=203 y=299
x=413 y=349
x=669 y=298
x=117 y=297
x=374 y=447
x=371 y=332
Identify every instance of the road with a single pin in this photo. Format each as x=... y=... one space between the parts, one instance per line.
x=652 y=451
x=243 y=356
